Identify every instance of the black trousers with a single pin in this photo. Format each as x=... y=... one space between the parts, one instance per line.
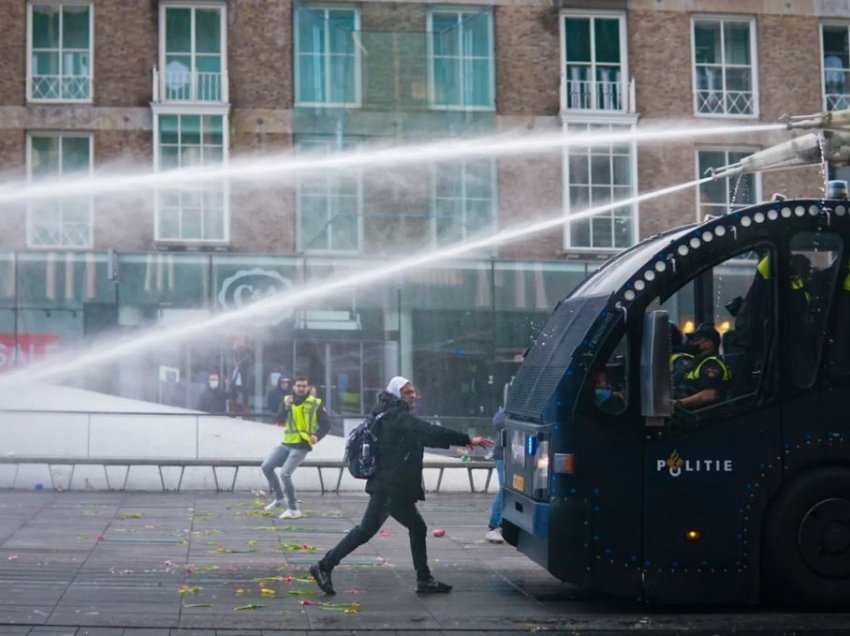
x=379 y=508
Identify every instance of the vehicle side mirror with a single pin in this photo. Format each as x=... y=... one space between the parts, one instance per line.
x=655 y=391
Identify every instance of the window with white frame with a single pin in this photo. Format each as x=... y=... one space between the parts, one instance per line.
x=196 y=212
x=60 y=56
x=724 y=68
x=327 y=58
x=595 y=58
x=329 y=205
x=192 y=53
x=836 y=66
x=463 y=200
x=721 y=196
x=65 y=222
x=596 y=176
x=461 y=68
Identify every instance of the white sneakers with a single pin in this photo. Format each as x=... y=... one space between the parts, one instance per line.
x=275 y=503
x=495 y=536
x=286 y=514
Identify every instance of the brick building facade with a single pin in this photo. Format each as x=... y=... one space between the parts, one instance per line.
x=109 y=87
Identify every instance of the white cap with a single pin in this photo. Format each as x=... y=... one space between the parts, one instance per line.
x=396 y=384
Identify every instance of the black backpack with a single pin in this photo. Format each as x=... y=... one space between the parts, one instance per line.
x=360 y=449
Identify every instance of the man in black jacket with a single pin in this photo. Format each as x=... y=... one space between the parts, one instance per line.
x=396 y=485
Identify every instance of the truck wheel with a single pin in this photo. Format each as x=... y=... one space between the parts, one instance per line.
x=806 y=555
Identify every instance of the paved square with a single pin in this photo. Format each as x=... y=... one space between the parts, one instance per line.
x=179 y=564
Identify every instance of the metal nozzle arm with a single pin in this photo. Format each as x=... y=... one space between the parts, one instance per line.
x=827 y=120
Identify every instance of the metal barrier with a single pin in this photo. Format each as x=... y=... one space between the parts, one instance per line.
x=235 y=464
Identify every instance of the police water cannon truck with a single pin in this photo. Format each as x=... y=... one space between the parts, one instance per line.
x=613 y=482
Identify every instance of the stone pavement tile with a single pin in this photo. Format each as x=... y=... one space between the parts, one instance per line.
x=100 y=631
x=30 y=614
x=15 y=592
x=269 y=617
x=146 y=631
x=115 y=614
x=54 y=631
x=11 y=630
x=111 y=593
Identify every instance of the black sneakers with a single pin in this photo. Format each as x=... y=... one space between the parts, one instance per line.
x=323 y=578
x=432 y=586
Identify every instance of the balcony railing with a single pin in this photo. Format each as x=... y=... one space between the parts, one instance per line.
x=61 y=87
x=596 y=95
x=837 y=101
x=189 y=86
x=62 y=235
x=717 y=102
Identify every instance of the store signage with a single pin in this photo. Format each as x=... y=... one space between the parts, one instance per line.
x=30 y=347
x=249 y=286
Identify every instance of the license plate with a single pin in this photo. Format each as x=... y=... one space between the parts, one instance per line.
x=518 y=482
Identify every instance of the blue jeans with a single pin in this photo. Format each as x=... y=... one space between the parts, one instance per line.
x=496 y=507
x=289 y=459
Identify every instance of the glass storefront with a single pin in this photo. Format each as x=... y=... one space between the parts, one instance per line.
x=457 y=329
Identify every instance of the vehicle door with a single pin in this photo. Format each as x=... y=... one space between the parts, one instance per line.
x=705 y=466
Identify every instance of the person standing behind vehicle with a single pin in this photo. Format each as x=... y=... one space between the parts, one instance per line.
x=494 y=532
x=396 y=485
x=305 y=422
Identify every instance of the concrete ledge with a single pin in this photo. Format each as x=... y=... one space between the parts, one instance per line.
x=214 y=464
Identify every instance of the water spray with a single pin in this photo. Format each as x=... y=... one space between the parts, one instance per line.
x=364 y=157
x=107 y=352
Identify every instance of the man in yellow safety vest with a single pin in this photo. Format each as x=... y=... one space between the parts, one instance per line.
x=305 y=422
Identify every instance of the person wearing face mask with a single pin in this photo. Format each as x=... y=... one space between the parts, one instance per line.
x=213 y=398
x=396 y=485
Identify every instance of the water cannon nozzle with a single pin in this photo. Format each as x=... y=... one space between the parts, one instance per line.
x=826 y=120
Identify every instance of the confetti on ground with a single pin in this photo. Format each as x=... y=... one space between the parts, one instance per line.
x=346 y=608
x=240 y=591
x=198 y=605
x=306 y=601
x=296 y=547
x=186 y=590
x=131 y=515
x=267 y=591
x=249 y=606
x=13 y=557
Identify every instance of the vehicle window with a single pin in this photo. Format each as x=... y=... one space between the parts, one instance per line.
x=721 y=323
x=812 y=269
x=608 y=381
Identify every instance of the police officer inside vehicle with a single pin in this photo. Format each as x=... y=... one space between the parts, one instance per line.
x=706 y=382
x=681 y=360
